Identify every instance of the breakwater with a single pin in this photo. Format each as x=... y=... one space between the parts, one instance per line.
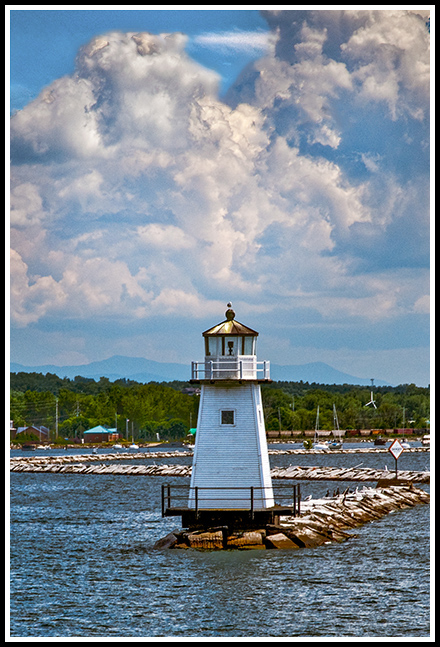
x=94 y=458
x=87 y=543
x=351 y=450
x=322 y=521
x=348 y=474
x=86 y=465
x=138 y=455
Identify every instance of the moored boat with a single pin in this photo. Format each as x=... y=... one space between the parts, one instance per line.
x=318 y=444
x=337 y=443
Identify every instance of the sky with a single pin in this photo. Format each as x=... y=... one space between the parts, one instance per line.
x=166 y=162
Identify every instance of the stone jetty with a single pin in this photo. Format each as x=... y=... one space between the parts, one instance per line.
x=345 y=450
x=101 y=468
x=322 y=521
x=92 y=464
x=348 y=474
x=97 y=457
x=128 y=455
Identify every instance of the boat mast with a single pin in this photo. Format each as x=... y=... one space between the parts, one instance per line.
x=317 y=425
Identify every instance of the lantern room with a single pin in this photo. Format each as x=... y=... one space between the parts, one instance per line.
x=229 y=338
x=230 y=353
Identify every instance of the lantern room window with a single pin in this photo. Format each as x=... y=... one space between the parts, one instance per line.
x=211 y=346
x=228 y=346
x=248 y=346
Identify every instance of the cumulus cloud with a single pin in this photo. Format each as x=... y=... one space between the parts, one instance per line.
x=26 y=205
x=164 y=236
x=146 y=191
x=32 y=296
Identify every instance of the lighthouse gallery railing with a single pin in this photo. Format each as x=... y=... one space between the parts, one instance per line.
x=242 y=368
x=173 y=495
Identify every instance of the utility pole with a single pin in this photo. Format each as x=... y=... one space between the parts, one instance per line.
x=56 y=418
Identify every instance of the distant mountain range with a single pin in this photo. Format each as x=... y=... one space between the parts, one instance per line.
x=146 y=370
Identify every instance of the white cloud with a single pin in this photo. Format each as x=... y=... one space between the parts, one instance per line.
x=392 y=57
x=238 y=41
x=26 y=205
x=423 y=304
x=165 y=237
x=31 y=297
x=135 y=189
x=66 y=124
x=85 y=189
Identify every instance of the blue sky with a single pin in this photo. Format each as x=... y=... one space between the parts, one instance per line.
x=44 y=44
x=166 y=162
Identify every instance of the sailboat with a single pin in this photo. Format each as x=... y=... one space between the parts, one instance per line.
x=337 y=443
x=133 y=444
x=318 y=444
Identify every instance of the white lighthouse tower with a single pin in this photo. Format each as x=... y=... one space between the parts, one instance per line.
x=230 y=470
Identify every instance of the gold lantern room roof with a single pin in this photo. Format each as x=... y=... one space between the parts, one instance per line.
x=230 y=326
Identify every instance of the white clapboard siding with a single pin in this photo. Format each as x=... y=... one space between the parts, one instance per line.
x=231 y=456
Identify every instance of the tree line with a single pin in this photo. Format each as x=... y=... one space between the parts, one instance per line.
x=293 y=405
x=72 y=406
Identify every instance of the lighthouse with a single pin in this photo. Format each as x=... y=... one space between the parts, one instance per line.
x=231 y=484
x=230 y=470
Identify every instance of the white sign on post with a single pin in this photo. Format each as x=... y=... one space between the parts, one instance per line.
x=395 y=448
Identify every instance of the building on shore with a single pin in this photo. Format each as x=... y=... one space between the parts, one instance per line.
x=100 y=434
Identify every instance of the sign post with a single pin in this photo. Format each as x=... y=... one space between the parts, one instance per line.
x=395 y=449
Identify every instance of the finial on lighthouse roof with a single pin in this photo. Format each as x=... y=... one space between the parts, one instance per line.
x=230 y=314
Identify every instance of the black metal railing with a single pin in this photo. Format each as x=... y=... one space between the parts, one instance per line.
x=180 y=497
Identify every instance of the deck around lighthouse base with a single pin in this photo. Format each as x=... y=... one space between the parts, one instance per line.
x=250 y=514
x=232 y=518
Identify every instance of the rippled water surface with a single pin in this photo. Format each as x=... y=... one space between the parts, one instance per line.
x=83 y=565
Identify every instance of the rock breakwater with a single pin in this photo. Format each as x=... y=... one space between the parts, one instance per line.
x=322 y=521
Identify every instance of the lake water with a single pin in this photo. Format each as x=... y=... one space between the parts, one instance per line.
x=82 y=565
